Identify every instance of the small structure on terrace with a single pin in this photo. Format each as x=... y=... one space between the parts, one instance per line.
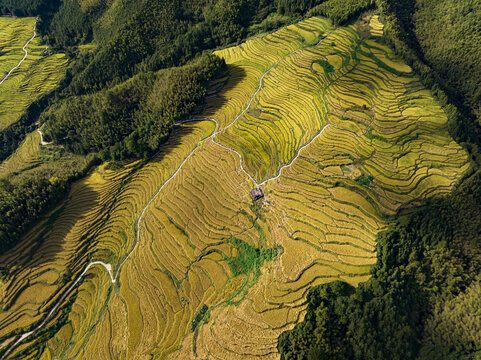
x=256 y=194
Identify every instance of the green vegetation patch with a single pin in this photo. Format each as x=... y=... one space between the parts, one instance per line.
x=201 y=314
x=372 y=136
x=341 y=11
x=256 y=208
x=249 y=259
x=328 y=68
x=364 y=180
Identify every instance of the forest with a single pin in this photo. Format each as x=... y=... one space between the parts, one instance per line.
x=26 y=197
x=131 y=119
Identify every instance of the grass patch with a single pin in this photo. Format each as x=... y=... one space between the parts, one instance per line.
x=364 y=180
x=372 y=136
x=328 y=68
x=249 y=258
x=199 y=317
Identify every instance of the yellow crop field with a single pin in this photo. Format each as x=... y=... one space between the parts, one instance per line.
x=376 y=26
x=171 y=258
x=26 y=156
x=27 y=68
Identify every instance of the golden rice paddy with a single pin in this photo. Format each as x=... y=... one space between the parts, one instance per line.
x=340 y=134
x=38 y=74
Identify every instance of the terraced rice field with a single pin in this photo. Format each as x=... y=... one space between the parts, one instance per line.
x=38 y=74
x=337 y=131
x=27 y=156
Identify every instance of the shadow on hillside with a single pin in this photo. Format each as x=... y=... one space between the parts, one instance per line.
x=214 y=102
x=235 y=76
x=44 y=243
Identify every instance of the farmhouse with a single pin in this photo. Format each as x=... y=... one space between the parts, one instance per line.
x=256 y=194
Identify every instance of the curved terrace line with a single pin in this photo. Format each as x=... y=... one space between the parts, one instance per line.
x=280 y=167
x=24 y=50
x=108 y=266
x=42 y=142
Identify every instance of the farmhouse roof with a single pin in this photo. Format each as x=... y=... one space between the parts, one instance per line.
x=256 y=194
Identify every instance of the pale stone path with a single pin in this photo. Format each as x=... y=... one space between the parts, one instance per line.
x=24 y=56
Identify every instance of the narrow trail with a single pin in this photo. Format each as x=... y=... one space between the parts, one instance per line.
x=43 y=142
x=24 y=50
x=107 y=266
x=261 y=83
x=279 y=170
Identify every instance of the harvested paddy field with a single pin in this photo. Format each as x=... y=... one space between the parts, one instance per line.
x=27 y=68
x=336 y=131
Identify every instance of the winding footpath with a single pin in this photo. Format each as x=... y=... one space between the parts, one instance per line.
x=42 y=141
x=108 y=267
x=24 y=50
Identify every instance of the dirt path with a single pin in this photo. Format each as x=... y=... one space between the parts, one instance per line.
x=24 y=50
x=42 y=142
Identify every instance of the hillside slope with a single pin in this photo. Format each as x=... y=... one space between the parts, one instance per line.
x=420 y=302
x=173 y=258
